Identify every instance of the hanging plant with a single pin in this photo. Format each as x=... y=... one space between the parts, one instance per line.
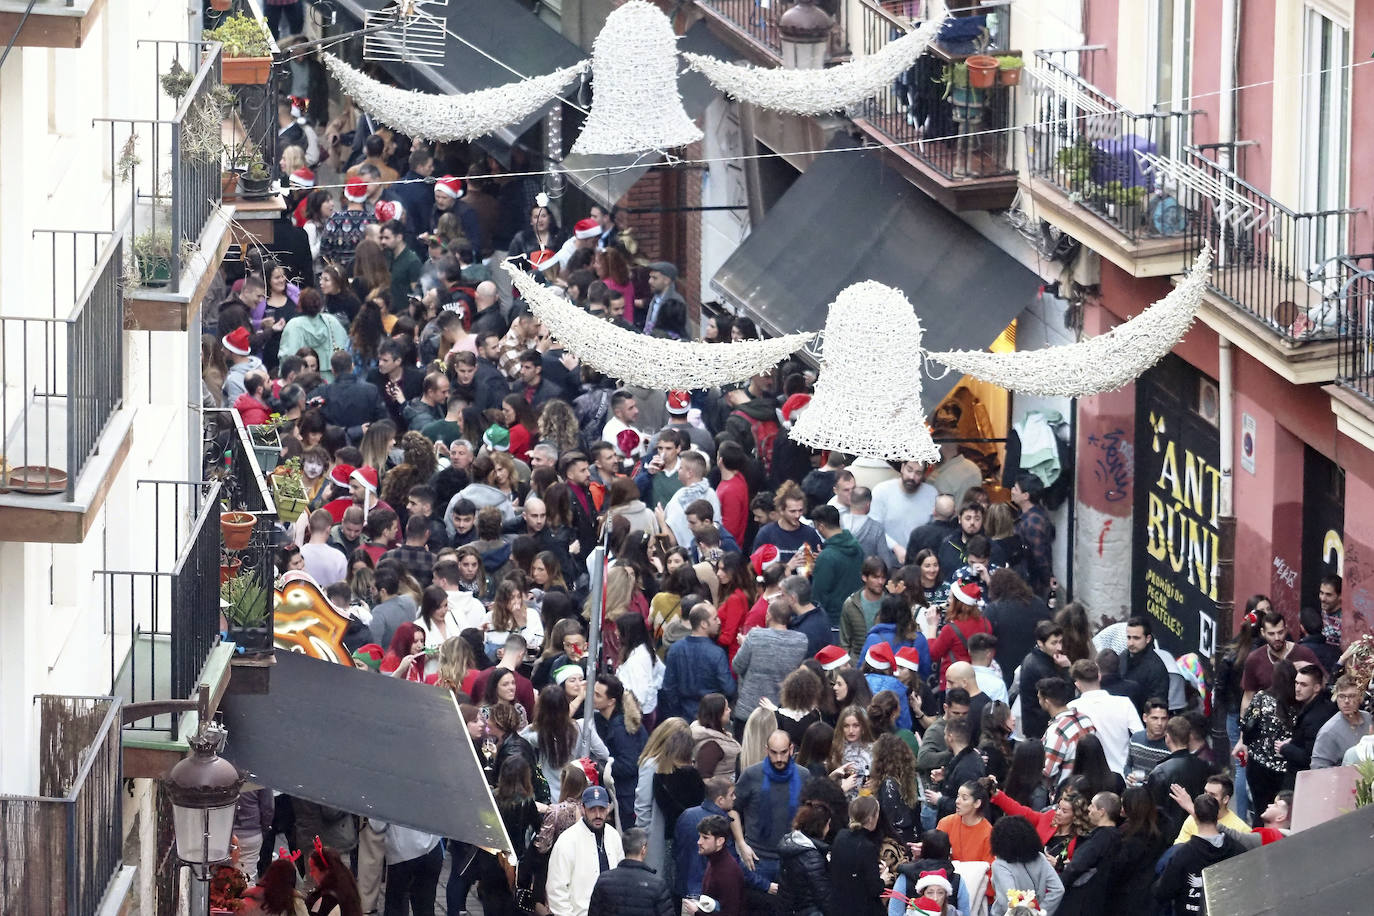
x=176 y=81
x=128 y=160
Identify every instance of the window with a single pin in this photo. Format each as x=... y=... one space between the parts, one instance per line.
x=1326 y=130
x=1171 y=69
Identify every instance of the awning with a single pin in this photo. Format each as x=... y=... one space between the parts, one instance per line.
x=619 y=173
x=364 y=743
x=1305 y=872
x=435 y=61
x=850 y=217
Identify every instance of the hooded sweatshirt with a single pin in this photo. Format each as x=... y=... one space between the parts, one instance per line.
x=838 y=573
x=1181 y=880
x=233 y=379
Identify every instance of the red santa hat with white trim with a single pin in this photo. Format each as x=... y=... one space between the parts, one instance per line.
x=340 y=474
x=368 y=478
x=302 y=178
x=451 y=186
x=969 y=590
x=237 y=341
x=586 y=229
x=908 y=657
x=832 y=658
x=355 y=190
x=880 y=656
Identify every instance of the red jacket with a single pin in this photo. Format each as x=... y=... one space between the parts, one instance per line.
x=1042 y=821
x=732 y=611
x=949 y=648
x=253 y=411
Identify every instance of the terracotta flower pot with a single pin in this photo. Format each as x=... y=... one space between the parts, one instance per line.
x=1009 y=76
x=236 y=528
x=245 y=71
x=229 y=570
x=221 y=6
x=982 y=71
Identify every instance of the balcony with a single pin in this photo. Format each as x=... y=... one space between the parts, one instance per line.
x=49 y=23
x=166 y=171
x=953 y=142
x=1088 y=169
x=1282 y=285
x=62 y=854
x=163 y=625
x=753 y=26
x=66 y=429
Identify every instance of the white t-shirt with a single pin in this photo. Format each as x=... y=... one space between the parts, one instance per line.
x=899 y=511
x=325 y=564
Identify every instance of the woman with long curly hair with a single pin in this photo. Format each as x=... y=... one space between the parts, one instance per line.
x=336 y=890
x=1059 y=827
x=851 y=752
x=556 y=737
x=417 y=466
x=275 y=894
x=558 y=425
x=892 y=778
x=1078 y=639
x=365 y=336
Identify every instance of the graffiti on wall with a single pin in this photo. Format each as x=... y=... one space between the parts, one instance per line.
x=1113 y=457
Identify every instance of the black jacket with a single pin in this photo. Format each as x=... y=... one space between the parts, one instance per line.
x=1088 y=876
x=1036 y=666
x=930 y=535
x=803 y=875
x=965 y=766
x=1310 y=719
x=350 y=403
x=1184 y=768
x=631 y=889
x=1181 y=880
x=1133 y=872
x=1014 y=623
x=1147 y=670
x=854 y=875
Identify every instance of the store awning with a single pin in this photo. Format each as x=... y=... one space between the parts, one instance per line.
x=613 y=176
x=1305 y=872
x=850 y=217
x=365 y=743
x=433 y=60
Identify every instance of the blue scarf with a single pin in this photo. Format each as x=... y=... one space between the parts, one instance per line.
x=791 y=775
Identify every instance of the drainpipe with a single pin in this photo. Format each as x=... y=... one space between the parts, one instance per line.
x=1225 y=569
x=1226 y=113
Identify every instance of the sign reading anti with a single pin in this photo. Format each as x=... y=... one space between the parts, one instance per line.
x=1177 y=535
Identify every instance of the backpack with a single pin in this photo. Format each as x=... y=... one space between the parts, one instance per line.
x=765 y=433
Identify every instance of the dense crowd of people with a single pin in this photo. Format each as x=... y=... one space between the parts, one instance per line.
x=824 y=684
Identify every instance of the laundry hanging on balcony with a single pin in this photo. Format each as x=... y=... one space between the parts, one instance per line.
x=1102 y=363
x=451 y=117
x=653 y=362
x=816 y=92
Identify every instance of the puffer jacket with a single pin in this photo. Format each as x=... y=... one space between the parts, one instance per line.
x=803 y=875
x=631 y=889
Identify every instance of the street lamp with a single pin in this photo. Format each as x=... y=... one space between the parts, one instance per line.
x=204 y=790
x=805 y=32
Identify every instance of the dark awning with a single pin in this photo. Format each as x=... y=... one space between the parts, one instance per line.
x=850 y=217
x=1317 y=870
x=504 y=29
x=621 y=172
x=364 y=743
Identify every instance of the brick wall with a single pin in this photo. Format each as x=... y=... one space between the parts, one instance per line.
x=666 y=232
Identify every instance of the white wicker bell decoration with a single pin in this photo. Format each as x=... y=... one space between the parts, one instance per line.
x=636 y=106
x=868 y=393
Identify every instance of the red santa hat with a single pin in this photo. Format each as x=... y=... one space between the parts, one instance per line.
x=968 y=590
x=766 y=554
x=793 y=405
x=339 y=476
x=679 y=402
x=388 y=210
x=925 y=905
x=832 y=657
x=298 y=214
x=451 y=186
x=908 y=657
x=365 y=476
x=629 y=442
x=355 y=190
x=302 y=178
x=936 y=878
x=880 y=657
x=586 y=229
x=237 y=341
x=542 y=259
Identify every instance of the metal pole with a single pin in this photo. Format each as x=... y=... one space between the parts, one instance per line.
x=595 y=568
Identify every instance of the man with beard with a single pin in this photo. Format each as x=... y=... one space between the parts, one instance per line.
x=901 y=505
x=582 y=853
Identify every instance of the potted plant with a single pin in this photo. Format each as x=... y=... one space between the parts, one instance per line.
x=288 y=490
x=982 y=71
x=266 y=439
x=236 y=528
x=1009 y=67
x=153 y=253
x=228 y=567
x=246 y=50
x=256 y=180
x=245 y=601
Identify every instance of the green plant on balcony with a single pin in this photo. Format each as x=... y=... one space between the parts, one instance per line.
x=246 y=604
x=128 y=160
x=1116 y=194
x=953 y=76
x=241 y=36
x=1364 y=783
x=176 y=81
x=153 y=257
x=288 y=490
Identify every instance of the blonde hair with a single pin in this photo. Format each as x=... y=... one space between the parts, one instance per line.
x=455 y=658
x=753 y=745
x=660 y=735
x=999 y=522
x=292 y=158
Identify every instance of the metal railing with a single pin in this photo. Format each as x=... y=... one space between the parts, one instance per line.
x=758 y=19
x=168 y=168
x=1087 y=145
x=958 y=131
x=68 y=372
x=163 y=624
x=64 y=846
x=230 y=459
x=981 y=28
x=1354 y=283
x=1289 y=269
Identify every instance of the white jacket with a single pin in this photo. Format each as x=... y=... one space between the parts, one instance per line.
x=574 y=868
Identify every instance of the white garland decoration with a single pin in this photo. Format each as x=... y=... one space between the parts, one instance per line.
x=1102 y=363
x=652 y=362
x=636 y=104
x=868 y=398
x=815 y=92
x=450 y=117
